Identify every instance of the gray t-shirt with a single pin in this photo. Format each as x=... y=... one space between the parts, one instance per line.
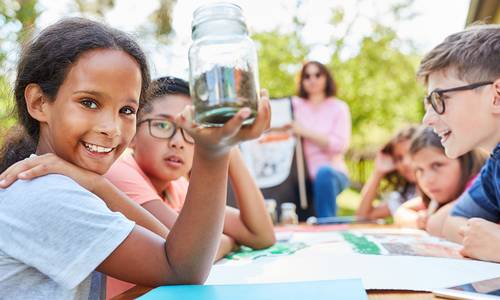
x=53 y=234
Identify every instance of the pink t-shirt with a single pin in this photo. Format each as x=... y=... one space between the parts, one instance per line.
x=331 y=118
x=127 y=176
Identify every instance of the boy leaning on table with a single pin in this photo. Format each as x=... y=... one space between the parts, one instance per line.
x=462 y=75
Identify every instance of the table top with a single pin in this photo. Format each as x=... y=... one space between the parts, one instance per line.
x=138 y=291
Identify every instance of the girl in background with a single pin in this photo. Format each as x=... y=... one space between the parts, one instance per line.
x=392 y=164
x=441 y=180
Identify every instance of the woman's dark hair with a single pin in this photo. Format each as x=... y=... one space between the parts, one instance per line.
x=163 y=86
x=331 y=86
x=394 y=180
x=46 y=60
x=470 y=162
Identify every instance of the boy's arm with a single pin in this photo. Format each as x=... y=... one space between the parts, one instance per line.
x=251 y=225
x=481 y=240
x=451 y=228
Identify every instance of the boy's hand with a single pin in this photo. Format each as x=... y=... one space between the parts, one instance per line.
x=481 y=240
x=214 y=142
x=49 y=163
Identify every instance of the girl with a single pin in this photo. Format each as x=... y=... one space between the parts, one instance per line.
x=440 y=180
x=153 y=175
x=78 y=88
x=394 y=165
x=324 y=123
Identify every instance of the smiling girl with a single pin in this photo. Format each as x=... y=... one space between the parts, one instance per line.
x=78 y=89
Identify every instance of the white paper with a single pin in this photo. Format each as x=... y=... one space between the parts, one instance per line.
x=328 y=257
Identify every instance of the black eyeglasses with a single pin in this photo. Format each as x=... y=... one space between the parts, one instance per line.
x=308 y=76
x=165 y=129
x=435 y=98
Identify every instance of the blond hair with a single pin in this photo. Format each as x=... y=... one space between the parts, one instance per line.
x=473 y=54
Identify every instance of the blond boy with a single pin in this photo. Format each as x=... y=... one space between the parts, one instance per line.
x=462 y=75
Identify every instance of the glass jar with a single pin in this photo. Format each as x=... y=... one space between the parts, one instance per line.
x=223 y=66
x=271 y=210
x=288 y=214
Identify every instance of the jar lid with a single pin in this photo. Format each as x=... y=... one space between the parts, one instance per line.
x=218 y=10
x=288 y=206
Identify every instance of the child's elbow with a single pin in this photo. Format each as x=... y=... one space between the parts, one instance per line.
x=264 y=242
x=196 y=278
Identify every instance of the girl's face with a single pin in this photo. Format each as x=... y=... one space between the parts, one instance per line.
x=314 y=81
x=437 y=175
x=92 y=119
x=163 y=159
x=402 y=160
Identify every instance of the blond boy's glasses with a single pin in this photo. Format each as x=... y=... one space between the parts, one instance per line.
x=165 y=129
x=436 y=100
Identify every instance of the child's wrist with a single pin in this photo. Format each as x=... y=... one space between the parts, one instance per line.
x=215 y=153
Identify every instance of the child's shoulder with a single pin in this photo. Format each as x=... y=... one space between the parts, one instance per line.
x=48 y=186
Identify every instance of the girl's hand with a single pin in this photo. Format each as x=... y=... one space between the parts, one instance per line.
x=422 y=219
x=214 y=142
x=384 y=163
x=49 y=163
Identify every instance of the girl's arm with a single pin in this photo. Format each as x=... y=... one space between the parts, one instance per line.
x=250 y=225
x=188 y=252
x=435 y=224
x=384 y=164
x=168 y=216
x=156 y=216
x=408 y=213
x=115 y=199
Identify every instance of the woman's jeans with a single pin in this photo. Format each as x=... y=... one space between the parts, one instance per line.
x=327 y=185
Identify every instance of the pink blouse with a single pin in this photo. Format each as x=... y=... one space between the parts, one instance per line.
x=331 y=118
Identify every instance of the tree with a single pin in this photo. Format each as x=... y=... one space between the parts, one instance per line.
x=280 y=58
x=17 y=23
x=380 y=86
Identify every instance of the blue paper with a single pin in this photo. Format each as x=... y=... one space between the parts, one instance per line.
x=351 y=289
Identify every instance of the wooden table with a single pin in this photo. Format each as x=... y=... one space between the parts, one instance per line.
x=138 y=291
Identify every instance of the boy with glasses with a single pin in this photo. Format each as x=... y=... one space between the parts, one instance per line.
x=154 y=176
x=462 y=75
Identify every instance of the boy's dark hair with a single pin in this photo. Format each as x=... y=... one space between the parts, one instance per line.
x=163 y=86
x=331 y=86
x=394 y=180
x=470 y=163
x=474 y=54
x=46 y=60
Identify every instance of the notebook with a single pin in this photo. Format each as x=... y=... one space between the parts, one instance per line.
x=325 y=289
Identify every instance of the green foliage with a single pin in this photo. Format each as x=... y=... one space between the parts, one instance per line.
x=380 y=87
x=6 y=118
x=280 y=58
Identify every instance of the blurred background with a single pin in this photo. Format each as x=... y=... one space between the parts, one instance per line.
x=372 y=48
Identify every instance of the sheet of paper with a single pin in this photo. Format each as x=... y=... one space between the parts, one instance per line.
x=329 y=256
